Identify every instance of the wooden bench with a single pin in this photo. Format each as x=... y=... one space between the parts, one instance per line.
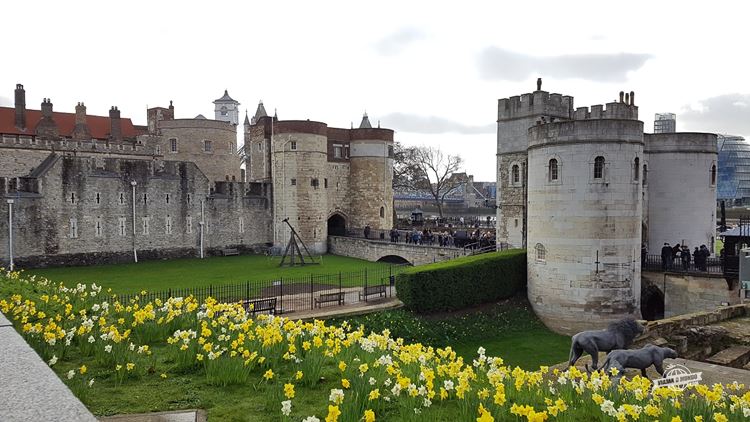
x=329 y=297
x=379 y=290
x=230 y=252
x=260 y=305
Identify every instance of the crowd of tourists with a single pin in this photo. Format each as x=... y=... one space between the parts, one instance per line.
x=680 y=256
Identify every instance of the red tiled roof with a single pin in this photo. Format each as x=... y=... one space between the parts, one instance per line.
x=99 y=126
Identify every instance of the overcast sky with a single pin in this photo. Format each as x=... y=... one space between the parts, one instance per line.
x=433 y=71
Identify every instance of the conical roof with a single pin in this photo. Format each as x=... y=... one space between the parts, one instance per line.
x=247 y=120
x=225 y=98
x=365 y=122
x=259 y=112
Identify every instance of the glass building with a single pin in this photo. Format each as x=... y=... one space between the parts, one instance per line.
x=733 y=183
x=665 y=123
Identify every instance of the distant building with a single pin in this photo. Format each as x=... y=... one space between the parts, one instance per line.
x=665 y=123
x=734 y=170
x=227 y=109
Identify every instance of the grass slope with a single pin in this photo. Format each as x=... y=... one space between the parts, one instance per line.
x=194 y=272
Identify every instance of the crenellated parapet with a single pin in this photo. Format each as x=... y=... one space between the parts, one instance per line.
x=535 y=103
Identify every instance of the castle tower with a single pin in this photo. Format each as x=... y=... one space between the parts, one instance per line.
x=584 y=218
x=371 y=177
x=298 y=163
x=515 y=116
x=226 y=109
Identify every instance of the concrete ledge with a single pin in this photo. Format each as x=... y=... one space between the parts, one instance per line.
x=29 y=389
x=193 y=415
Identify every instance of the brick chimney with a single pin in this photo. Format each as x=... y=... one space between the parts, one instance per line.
x=20 y=107
x=115 y=124
x=47 y=127
x=81 y=130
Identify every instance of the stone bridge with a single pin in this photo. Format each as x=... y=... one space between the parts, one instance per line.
x=380 y=250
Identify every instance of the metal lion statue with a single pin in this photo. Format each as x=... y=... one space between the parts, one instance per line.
x=639 y=359
x=619 y=335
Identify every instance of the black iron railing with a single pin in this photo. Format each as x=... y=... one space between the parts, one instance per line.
x=459 y=239
x=713 y=266
x=293 y=294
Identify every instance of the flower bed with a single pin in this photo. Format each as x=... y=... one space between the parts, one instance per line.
x=312 y=371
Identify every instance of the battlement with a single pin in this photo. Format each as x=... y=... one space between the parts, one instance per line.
x=534 y=104
x=69 y=145
x=613 y=110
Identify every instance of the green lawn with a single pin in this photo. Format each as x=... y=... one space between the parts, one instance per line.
x=509 y=329
x=194 y=272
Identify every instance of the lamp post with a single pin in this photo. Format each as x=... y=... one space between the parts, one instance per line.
x=135 y=251
x=10 y=233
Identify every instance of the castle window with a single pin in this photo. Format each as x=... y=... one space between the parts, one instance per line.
x=636 y=168
x=346 y=151
x=242 y=225
x=515 y=174
x=167 y=198
x=338 y=151
x=72 y=198
x=294 y=182
x=325 y=183
x=73 y=228
x=173 y=145
x=121 y=225
x=314 y=183
x=293 y=145
x=382 y=212
x=207 y=145
x=645 y=175
x=98 y=198
x=168 y=224
x=713 y=175
x=599 y=167
x=541 y=253
x=158 y=149
x=188 y=198
x=515 y=222
x=231 y=147
x=144 y=222
x=145 y=198
x=98 y=227
x=223 y=110
x=391 y=154
x=122 y=198
x=189 y=224
x=553 y=173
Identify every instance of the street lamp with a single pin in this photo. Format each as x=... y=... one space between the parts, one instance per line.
x=133 y=184
x=10 y=233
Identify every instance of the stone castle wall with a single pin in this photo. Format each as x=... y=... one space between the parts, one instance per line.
x=82 y=213
x=689 y=293
x=371 y=184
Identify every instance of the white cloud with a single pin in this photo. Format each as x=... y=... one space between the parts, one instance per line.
x=721 y=114
x=432 y=124
x=395 y=42
x=5 y=101
x=498 y=63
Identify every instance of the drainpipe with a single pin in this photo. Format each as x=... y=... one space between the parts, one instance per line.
x=202 y=224
x=135 y=251
x=10 y=233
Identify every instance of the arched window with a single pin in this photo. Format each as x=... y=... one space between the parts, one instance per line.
x=645 y=174
x=636 y=168
x=553 y=174
x=382 y=212
x=599 y=167
x=541 y=253
x=515 y=174
x=713 y=174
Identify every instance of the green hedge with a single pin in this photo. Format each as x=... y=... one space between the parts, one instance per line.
x=463 y=282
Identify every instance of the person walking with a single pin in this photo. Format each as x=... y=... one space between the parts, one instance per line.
x=666 y=256
x=676 y=255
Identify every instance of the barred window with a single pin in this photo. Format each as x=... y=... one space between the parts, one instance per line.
x=636 y=168
x=599 y=167
x=207 y=145
x=173 y=145
x=515 y=174
x=541 y=253
x=553 y=172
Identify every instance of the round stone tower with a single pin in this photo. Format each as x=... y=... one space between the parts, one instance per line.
x=371 y=177
x=682 y=175
x=584 y=218
x=299 y=158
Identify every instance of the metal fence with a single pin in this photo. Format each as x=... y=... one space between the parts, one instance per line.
x=294 y=294
x=460 y=238
x=656 y=263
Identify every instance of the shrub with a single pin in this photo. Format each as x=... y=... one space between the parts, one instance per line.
x=463 y=282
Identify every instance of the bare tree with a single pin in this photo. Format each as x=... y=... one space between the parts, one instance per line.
x=405 y=171
x=435 y=172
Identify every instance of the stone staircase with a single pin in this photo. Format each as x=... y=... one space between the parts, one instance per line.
x=735 y=357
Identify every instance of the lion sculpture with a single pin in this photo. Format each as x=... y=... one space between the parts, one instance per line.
x=639 y=359
x=619 y=335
